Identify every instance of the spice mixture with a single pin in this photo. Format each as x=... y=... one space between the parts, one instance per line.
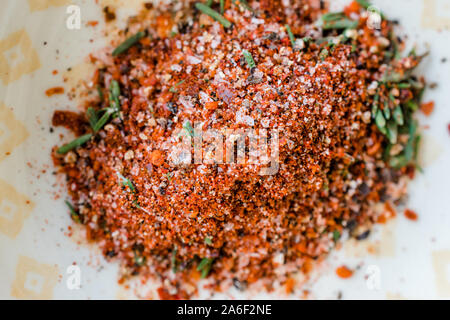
x=338 y=90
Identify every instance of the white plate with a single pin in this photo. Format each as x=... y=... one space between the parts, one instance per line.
x=410 y=259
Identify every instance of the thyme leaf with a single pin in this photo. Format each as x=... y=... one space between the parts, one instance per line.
x=392 y=131
x=333 y=16
x=337 y=20
x=100 y=92
x=380 y=121
x=173 y=89
x=364 y=3
x=188 y=128
x=103 y=120
x=248 y=57
x=205 y=266
x=340 y=24
x=398 y=115
x=208 y=241
x=404 y=85
x=386 y=111
x=173 y=259
x=127 y=44
x=412 y=105
x=291 y=35
x=73 y=213
x=336 y=235
x=74 y=144
x=138 y=259
x=92 y=116
x=324 y=54
x=114 y=90
x=125 y=182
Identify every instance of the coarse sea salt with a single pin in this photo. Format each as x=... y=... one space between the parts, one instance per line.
x=193 y=60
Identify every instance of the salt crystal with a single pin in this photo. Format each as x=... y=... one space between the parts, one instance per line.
x=193 y=60
x=175 y=67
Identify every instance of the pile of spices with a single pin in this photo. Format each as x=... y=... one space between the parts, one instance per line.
x=340 y=92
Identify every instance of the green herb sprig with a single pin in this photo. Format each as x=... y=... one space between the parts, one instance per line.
x=73 y=213
x=173 y=89
x=336 y=235
x=291 y=35
x=92 y=116
x=114 y=90
x=78 y=142
x=248 y=57
x=337 y=20
x=96 y=122
x=139 y=260
x=213 y=14
x=341 y=24
x=173 y=260
x=127 y=44
x=205 y=266
x=189 y=129
x=125 y=182
x=397 y=119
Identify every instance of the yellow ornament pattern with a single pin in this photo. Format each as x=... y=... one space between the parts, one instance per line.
x=17 y=57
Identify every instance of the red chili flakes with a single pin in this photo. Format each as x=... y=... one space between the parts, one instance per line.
x=228 y=221
x=427 y=108
x=157 y=157
x=344 y=272
x=388 y=214
x=92 y=23
x=290 y=285
x=71 y=120
x=54 y=91
x=411 y=215
x=164 y=295
x=353 y=7
x=164 y=24
x=211 y=105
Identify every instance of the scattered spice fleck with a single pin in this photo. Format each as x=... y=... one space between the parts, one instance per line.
x=411 y=215
x=344 y=272
x=54 y=91
x=109 y=13
x=92 y=23
x=157 y=157
x=427 y=108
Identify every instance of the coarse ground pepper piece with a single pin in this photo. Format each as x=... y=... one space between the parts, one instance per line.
x=342 y=101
